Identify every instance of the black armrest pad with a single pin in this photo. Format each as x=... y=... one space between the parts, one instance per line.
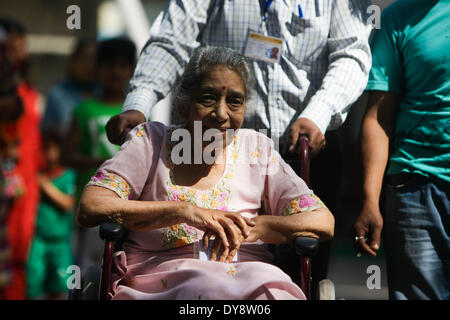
x=306 y=246
x=111 y=231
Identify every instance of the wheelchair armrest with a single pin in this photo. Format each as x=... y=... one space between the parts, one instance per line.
x=306 y=246
x=111 y=231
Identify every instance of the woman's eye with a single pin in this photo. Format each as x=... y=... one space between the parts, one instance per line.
x=207 y=100
x=235 y=102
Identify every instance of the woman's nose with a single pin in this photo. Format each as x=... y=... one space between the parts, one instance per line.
x=220 y=111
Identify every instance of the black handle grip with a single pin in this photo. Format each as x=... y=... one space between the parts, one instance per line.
x=306 y=246
x=111 y=231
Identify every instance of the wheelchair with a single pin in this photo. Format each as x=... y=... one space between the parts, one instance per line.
x=293 y=258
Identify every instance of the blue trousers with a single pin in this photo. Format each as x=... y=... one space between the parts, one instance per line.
x=417 y=238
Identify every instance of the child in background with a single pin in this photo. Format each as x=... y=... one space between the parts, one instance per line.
x=88 y=146
x=51 y=250
x=80 y=84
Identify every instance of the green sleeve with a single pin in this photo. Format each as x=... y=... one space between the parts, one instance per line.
x=386 y=73
x=67 y=182
x=78 y=112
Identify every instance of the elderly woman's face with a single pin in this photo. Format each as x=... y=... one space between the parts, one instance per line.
x=219 y=102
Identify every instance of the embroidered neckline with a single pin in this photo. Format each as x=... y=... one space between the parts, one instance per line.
x=231 y=157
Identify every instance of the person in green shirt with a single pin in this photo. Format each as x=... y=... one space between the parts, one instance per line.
x=51 y=250
x=87 y=144
x=406 y=140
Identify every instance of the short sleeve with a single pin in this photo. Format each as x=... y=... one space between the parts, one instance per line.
x=68 y=185
x=285 y=192
x=126 y=173
x=386 y=73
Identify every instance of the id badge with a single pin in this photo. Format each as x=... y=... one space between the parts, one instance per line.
x=263 y=47
x=203 y=254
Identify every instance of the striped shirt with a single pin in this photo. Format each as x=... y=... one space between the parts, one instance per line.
x=323 y=68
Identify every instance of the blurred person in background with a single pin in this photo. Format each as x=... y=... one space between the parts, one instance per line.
x=11 y=183
x=87 y=145
x=51 y=250
x=79 y=86
x=21 y=217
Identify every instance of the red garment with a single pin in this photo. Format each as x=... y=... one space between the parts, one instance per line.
x=21 y=219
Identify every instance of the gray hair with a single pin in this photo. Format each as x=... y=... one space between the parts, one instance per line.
x=202 y=60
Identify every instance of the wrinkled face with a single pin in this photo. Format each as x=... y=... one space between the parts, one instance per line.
x=219 y=102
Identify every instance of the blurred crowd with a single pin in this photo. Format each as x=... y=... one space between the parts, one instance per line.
x=47 y=154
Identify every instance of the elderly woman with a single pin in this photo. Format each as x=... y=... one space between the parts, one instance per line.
x=174 y=199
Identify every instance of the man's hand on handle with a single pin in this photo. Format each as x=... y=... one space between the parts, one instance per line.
x=304 y=126
x=116 y=125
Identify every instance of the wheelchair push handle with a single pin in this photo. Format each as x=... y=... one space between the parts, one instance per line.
x=305 y=246
x=304 y=155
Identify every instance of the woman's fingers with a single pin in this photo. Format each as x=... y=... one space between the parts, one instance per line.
x=215 y=250
x=225 y=229
x=231 y=254
x=206 y=236
x=233 y=231
x=224 y=254
x=243 y=223
x=233 y=251
x=219 y=229
x=249 y=222
x=236 y=227
x=230 y=227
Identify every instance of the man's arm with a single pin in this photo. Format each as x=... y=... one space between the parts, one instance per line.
x=173 y=37
x=376 y=135
x=349 y=65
